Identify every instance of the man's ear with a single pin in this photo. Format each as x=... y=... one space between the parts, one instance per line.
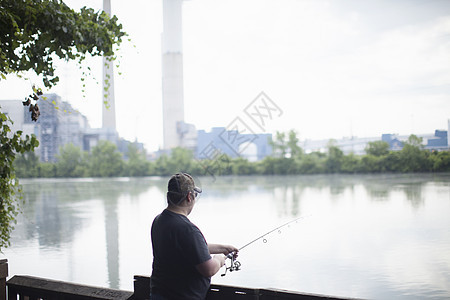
x=190 y=196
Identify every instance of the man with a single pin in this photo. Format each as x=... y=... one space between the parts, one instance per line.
x=182 y=262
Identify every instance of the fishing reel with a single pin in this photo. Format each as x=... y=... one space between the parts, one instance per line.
x=234 y=266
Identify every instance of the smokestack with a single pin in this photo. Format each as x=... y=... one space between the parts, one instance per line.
x=108 y=101
x=172 y=74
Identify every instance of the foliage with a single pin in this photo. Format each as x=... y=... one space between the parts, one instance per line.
x=334 y=160
x=27 y=165
x=392 y=162
x=312 y=163
x=292 y=143
x=350 y=163
x=415 y=141
x=220 y=166
x=47 y=170
x=33 y=33
x=137 y=164
x=70 y=161
x=286 y=145
x=371 y=164
x=440 y=161
x=414 y=159
x=180 y=160
x=242 y=166
x=10 y=191
x=105 y=160
x=279 y=144
x=377 y=148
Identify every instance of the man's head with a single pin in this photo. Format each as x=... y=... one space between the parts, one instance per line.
x=180 y=186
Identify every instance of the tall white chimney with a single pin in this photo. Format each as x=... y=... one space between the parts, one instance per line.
x=172 y=73
x=108 y=101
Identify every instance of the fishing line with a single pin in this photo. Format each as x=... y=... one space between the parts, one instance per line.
x=236 y=265
x=269 y=232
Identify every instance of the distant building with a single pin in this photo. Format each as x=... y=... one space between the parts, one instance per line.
x=395 y=144
x=49 y=128
x=439 y=141
x=232 y=143
x=59 y=124
x=448 y=134
x=349 y=145
x=188 y=135
x=20 y=116
x=73 y=125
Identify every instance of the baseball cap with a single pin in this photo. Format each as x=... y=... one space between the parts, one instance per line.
x=179 y=186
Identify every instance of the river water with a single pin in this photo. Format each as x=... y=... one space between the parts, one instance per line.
x=366 y=236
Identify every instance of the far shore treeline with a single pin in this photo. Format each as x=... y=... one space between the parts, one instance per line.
x=288 y=158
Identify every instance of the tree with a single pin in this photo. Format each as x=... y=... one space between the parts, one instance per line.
x=105 y=160
x=392 y=162
x=69 y=161
x=413 y=157
x=241 y=166
x=32 y=34
x=26 y=165
x=286 y=144
x=181 y=160
x=137 y=164
x=312 y=163
x=440 y=161
x=10 y=191
x=350 y=163
x=292 y=144
x=414 y=140
x=279 y=145
x=267 y=165
x=371 y=164
x=377 y=148
x=160 y=166
x=333 y=162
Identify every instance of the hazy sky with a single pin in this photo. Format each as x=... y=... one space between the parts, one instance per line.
x=335 y=68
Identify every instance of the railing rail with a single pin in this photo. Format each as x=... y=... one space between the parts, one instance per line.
x=34 y=288
x=225 y=292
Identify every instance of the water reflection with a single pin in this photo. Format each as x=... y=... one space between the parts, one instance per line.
x=112 y=242
x=56 y=211
x=289 y=190
x=386 y=236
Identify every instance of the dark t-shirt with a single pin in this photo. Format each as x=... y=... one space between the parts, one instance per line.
x=178 y=246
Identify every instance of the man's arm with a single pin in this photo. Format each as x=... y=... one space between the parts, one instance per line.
x=222 y=249
x=210 y=267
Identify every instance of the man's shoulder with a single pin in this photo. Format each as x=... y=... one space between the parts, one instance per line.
x=175 y=219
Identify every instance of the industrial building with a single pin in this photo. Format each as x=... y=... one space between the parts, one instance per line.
x=59 y=124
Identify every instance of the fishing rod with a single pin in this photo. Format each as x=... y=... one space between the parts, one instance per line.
x=235 y=264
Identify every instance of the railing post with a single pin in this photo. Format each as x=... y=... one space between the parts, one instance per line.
x=3 y=275
x=141 y=287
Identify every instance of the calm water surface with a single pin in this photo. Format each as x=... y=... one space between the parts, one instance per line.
x=373 y=236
